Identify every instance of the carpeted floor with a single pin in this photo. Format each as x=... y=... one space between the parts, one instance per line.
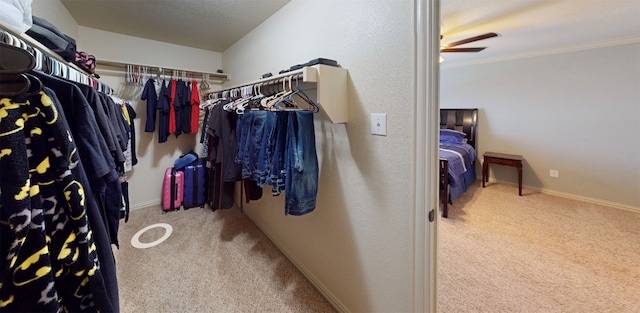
x=499 y=252
x=212 y=262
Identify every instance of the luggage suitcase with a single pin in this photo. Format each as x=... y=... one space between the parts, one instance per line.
x=211 y=184
x=194 y=185
x=172 y=189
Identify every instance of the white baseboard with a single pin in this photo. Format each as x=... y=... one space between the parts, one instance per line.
x=306 y=272
x=145 y=204
x=569 y=196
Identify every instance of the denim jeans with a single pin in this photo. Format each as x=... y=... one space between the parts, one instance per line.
x=243 y=128
x=266 y=150
x=277 y=172
x=253 y=128
x=301 y=164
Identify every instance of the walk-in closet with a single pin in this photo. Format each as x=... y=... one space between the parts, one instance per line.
x=296 y=215
x=280 y=155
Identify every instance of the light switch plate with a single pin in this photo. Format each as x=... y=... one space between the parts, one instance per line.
x=379 y=124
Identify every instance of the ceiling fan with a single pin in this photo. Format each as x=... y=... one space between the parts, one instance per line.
x=450 y=47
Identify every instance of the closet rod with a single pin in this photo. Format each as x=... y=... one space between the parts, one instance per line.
x=153 y=69
x=309 y=75
x=36 y=45
x=58 y=65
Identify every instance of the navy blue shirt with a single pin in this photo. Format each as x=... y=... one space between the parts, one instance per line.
x=163 y=116
x=149 y=94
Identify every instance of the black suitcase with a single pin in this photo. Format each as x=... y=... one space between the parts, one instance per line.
x=195 y=185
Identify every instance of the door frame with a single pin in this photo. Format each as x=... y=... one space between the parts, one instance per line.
x=427 y=75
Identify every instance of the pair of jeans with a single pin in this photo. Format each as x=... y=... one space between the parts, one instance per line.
x=277 y=172
x=266 y=150
x=250 y=142
x=301 y=164
x=243 y=129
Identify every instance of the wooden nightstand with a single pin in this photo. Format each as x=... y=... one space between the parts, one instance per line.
x=502 y=159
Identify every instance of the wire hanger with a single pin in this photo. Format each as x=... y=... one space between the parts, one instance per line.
x=290 y=100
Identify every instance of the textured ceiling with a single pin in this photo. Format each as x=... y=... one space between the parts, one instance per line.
x=525 y=27
x=206 y=24
x=529 y=27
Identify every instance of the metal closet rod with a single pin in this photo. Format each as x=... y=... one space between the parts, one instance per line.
x=218 y=77
x=306 y=75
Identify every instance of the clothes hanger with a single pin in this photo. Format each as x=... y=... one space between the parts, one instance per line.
x=285 y=99
x=13 y=84
x=15 y=60
x=290 y=100
x=248 y=94
x=257 y=90
x=233 y=96
x=268 y=94
x=204 y=84
x=35 y=85
x=14 y=63
x=275 y=103
x=268 y=102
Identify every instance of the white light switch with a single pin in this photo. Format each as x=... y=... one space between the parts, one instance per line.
x=379 y=124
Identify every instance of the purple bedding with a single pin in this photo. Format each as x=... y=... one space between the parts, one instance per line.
x=461 y=157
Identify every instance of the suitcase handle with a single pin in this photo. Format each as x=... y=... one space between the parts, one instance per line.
x=174 y=189
x=195 y=186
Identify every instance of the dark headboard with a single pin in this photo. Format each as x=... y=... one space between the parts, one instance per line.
x=464 y=120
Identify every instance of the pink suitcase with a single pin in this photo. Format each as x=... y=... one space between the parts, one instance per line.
x=172 y=189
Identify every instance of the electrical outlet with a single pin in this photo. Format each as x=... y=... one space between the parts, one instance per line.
x=554 y=173
x=379 y=124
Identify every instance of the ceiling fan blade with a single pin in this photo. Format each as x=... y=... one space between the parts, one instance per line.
x=472 y=39
x=462 y=49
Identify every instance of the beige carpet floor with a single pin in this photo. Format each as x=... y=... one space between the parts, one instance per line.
x=499 y=252
x=212 y=262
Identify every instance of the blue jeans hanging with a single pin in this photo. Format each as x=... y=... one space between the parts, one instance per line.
x=301 y=164
x=277 y=171
x=265 y=154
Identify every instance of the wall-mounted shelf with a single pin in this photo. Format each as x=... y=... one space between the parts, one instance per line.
x=102 y=65
x=330 y=84
x=332 y=92
x=39 y=46
x=50 y=62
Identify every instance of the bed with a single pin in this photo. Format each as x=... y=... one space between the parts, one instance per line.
x=457 y=153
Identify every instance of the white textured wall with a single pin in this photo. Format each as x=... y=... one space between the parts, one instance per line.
x=145 y=181
x=576 y=112
x=123 y=48
x=55 y=13
x=358 y=242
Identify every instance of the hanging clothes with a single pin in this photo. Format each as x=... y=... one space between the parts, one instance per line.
x=130 y=155
x=103 y=122
x=172 y=89
x=60 y=161
x=185 y=110
x=176 y=105
x=49 y=259
x=102 y=169
x=222 y=150
x=195 y=107
x=262 y=147
x=301 y=164
x=151 y=97
x=164 y=109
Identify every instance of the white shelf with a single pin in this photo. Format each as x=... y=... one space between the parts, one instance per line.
x=103 y=65
x=330 y=84
x=332 y=92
